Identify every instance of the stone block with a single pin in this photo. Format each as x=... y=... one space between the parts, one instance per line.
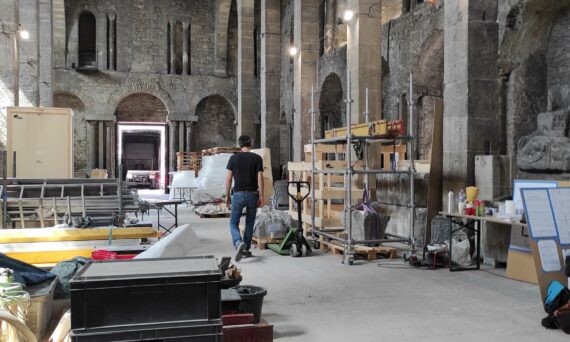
x=395 y=189
x=399 y=223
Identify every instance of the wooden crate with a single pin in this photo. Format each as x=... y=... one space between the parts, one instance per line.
x=328 y=187
x=189 y=161
x=323 y=152
x=387 y=152
x=374 y=128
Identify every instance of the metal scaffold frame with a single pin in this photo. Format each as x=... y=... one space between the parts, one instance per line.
x=349 y=172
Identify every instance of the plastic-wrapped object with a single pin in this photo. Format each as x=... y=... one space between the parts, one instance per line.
x=271 y=223
x=182 y=179
x=210 y=184
x=368 y=223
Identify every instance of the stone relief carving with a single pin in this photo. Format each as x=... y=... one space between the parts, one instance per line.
x=548 y=148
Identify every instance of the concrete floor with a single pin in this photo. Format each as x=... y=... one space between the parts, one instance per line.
x=319 y=299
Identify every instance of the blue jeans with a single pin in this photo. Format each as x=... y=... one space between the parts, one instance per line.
x=242 y=200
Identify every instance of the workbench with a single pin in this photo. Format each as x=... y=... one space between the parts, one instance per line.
x=473 y=223
x=160 y=205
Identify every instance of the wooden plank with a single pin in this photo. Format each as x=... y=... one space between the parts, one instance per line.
x=322 y=148
x=436 y=169
x=47 y=257
x=322 y=165
x=70 y=234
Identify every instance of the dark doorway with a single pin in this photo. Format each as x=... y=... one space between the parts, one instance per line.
x=141 y=154
x=87 y=42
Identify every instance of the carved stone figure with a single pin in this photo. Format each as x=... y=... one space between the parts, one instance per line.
x=548 y=148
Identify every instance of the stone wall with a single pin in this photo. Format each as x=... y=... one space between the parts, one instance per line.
x=80 y=143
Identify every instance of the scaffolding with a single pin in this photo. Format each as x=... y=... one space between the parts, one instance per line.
x=349 y=172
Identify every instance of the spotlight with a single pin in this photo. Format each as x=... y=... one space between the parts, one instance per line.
x=293 y=51
x=347 y=15
x=25 y=35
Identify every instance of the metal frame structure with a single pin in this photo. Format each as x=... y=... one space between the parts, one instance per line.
x=352 y=140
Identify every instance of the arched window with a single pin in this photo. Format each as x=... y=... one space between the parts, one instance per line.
x=87 y=42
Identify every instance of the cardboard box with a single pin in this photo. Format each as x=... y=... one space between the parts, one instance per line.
x=520 y=266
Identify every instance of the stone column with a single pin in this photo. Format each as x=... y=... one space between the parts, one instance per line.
x=246 y=77
x=181 y=136
x=45 y=53
x=8 y=16
x=111 y=148
x=470 y=88
x=185 y=57
x=92 y=136
x=364 y=57
x=171 y=47
x=172 y=144
x=101 y=144
x=270 y=77
x=189 y=127
x=306 y=17
x=112 y=52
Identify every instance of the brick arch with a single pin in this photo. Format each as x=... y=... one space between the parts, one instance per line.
x=227 y=94
x=141 y=107
x=331 y=102
x=148 y=88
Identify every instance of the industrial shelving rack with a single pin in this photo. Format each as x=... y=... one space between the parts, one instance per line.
x=349 y=172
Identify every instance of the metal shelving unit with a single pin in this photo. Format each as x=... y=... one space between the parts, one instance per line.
x=349 y=172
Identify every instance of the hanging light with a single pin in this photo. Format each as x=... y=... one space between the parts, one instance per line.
x=293 y=51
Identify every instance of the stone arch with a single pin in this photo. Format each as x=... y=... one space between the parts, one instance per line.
x=143 y=87
x=215 y=125
x=330 y=103
x=80 y=141
x=72 y=13
x=428 y=89
x=428 y=71
x=141 y=107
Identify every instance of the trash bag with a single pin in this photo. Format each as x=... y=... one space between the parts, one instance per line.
x=460 y=252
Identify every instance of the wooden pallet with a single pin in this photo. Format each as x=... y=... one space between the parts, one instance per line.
x=213 y=215
x=262 y=243
x=370 y=253
x=218 y=150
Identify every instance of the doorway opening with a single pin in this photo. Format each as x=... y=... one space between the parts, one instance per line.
x=142 y=154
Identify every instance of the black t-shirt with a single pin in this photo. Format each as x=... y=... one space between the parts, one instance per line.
x=245 y=166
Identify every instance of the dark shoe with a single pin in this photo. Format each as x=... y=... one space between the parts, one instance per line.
x=246 y=254
x=239 y=251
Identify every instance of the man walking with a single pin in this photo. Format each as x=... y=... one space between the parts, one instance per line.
x=246 y=169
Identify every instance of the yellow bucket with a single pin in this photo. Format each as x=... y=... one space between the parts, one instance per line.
x=472 y=192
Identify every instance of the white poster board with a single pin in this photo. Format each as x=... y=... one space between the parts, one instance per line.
x=528 y=184
x=560 y=202
x=43 y=141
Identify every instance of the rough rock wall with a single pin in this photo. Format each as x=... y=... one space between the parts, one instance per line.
x=413 y=43
x=532 y=74
x=215 y=123
x=286 y=86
